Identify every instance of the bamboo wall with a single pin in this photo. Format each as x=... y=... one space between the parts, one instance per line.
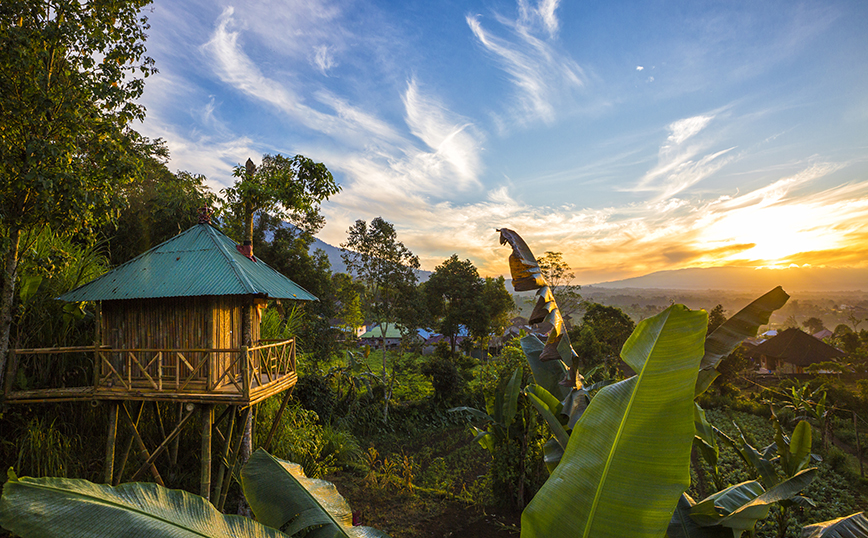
x=212 y=322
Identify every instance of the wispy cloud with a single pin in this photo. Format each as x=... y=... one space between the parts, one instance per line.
x=545 y=79
x=679 y=164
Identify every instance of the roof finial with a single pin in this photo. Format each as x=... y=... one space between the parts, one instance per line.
x=205 y=215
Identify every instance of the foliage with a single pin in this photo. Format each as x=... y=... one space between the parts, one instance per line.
x=559 y=275
x=852 y=526
x=44 y=450
x=449 y=385
x=716 y=318
x=813 y=324
x=156 y=206
x=385 y=267
x=71 y=74
x=289 y=189
x=278 y=492
x=635 y=436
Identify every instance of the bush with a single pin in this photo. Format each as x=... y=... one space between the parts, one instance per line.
x=449 y=384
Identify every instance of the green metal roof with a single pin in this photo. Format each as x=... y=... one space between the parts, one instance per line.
x=391 y=332
x=200 y=261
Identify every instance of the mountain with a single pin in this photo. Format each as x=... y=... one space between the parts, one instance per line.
x=819 y=279
x=338 y=265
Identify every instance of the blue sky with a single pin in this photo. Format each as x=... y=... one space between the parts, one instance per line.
x=631 y=136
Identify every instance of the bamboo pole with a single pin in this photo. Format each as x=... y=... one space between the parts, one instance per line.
x=173 y=450
x=143 y=450
x=111 y=440
x=277 y=417
x=224 y=462
x=123 y=463
x=245 y=371
x=235 y=453
x=207 y=412
x=164 y=444
x=858 y=444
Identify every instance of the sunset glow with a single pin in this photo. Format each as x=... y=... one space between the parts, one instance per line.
x=630 y=138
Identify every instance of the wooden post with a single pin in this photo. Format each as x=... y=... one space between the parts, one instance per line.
x=110 y=443
x=129 y=445
x=11 y=372
x=164 y=444
x=173 y=449
x=143 y=450
x=236 y=451
x=224 y=462
x=858 y=444
x=207 y=421
x=277 y=417
x=245 y=371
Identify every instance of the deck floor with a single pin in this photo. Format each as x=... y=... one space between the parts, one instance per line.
x=226 y=394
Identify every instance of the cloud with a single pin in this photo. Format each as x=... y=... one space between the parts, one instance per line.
x=639 y=68
x=542 y=13
x=545 y=80
x=679 y=165
x=322 y=58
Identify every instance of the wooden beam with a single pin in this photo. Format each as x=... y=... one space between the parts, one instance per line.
x=224 y=463
x=277 y=417
x=165 y=443
x=143 y=450
x=235 y=452
x=111 y=440
x=207 y=415
x=127 y=448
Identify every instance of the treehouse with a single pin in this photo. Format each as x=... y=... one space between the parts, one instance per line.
x=179 y=323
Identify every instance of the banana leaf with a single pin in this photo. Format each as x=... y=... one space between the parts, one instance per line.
x=705 y=439
x=730 y=335
x=852 y=526
x=683 y=526
x=795 y=452
x=74 y=508
x=547 y=374
x=549 y=408
x=739 y=507
x=627 y=460
x=282 y=497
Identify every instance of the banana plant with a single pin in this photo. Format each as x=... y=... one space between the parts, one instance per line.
x=286 y=503
x=734 y=510
x=500 y=413
x=852 y=526
x=628 y=454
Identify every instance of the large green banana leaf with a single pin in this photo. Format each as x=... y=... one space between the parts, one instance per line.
x=628 y=456
x=282 y=497
x=74 y=508
x=683 y=526
x=853 y=526
x=730 y=335
x=547 y=374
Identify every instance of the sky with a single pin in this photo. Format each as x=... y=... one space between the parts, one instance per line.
x=631 y=136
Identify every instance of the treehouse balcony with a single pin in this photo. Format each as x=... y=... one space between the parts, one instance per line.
x=238 y=376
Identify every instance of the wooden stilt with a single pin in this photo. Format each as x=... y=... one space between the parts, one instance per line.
x=159 y=450
x=207 y=412
x=234 y=466
x=224 y=457
x=173 y=450
x=143 y=450
x=858 y=444
x=277 y=417
x=110 y=442
x=127 y=447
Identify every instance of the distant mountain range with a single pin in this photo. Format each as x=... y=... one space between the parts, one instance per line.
x=337 y=263
x=750 y=278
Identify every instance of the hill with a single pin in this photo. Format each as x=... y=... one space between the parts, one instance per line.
x=338 y=265
x=811 y=279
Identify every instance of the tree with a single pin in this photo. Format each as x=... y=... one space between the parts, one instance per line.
x=384 y=265
x=70 y=75
x=454 y=297
x=499 y=303
x=156 y=207
x=716 y=318
x=289 y=189
x=559 y=275
x=813 y=324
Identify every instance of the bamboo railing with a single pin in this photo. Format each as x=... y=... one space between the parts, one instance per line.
x=243 y=371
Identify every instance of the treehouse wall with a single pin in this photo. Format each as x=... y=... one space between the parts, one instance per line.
x=204 y=323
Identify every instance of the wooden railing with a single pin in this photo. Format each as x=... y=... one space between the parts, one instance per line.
x=165 y=370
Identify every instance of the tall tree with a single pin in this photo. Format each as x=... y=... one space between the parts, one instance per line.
x=716 y=318
x=289 y=189
x=70 y=74
x=813 y=324
x=559 y=276
x=384 y=265
x=454 y=296
x=499 y=304
x=156 y=206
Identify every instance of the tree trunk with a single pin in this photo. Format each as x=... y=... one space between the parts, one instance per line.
x=7 y=296
x=383 y=342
